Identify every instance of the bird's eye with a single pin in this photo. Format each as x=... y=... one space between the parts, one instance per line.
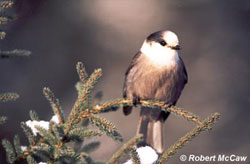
x=163 y=43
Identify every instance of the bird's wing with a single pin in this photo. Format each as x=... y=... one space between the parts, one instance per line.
x=132 y=64
x=185 y=71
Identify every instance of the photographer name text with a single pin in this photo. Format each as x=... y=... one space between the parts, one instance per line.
x=217 y=158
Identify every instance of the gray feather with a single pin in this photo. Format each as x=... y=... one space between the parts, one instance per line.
x=147 y=82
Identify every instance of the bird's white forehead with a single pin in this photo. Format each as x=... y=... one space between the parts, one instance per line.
x=171 y=38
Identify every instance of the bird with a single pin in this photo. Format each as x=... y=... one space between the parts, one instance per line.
x=158 y=73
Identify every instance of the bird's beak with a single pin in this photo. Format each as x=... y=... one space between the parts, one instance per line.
x=177 y=47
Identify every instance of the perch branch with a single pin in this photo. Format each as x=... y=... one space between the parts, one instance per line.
x=153 y=104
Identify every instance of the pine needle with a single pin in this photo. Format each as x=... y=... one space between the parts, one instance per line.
x=84 y=95
x=5 y=19
x=29 y=134
x=17 y=145
x=10 y=153
x=31 y=160
x=106 y=126
x=54 y=102
x=34 y=116
x=2 y=34
x=134 y=156
x=83 y=85
x=114 y=159
x=4 y=97
x=2 y=119
x=51 y=144
x=78 y=134
x=14 y=53
x=47 y=135
x=6 y=4
x=82 y=73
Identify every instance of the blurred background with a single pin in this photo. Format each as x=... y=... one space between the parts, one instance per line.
x=215 y=40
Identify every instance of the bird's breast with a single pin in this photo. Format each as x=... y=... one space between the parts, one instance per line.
x=151 y=82
x=165 y=61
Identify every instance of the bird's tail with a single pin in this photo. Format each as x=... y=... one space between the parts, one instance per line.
x=152 y=129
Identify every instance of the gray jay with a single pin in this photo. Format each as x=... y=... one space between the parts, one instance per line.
x=156 y=72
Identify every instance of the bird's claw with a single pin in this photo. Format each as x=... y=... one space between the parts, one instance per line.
x=168 y=105
x=136 y=100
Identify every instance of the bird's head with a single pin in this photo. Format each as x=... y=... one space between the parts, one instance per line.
x=164 y=39
x=170 y=40
x=161 y=47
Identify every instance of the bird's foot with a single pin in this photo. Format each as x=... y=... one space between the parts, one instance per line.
x=136 y=101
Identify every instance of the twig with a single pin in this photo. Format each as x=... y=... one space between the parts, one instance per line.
x=188 y=137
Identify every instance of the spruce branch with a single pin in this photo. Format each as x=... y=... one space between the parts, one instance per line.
x=208 y=122
x=107 y=106
x=54 y=102
x=74 y=114
x=10 y=152
x=17 y=145
x=87 y=158
x=67 y=155
x=177 y=111
x=106 y=126
x=53 y=141
x=6 y=4
x=147 y=103
x=57 y=131
x=134 y=156
x=83 y=85
x=78 y=134
x=88 y=86
x=34 y=116
x=2 y=119
x=114 y=159
x=79 y=87
x=94 y=77
x=29 y=134
x=30 y=160
x=42 y=150
x=47 y=135
x=2 y=35
x=5 y=19
x=14 y=53
x=102 y=123
x=4 y=97
x=83 y=96
x=82 y=73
